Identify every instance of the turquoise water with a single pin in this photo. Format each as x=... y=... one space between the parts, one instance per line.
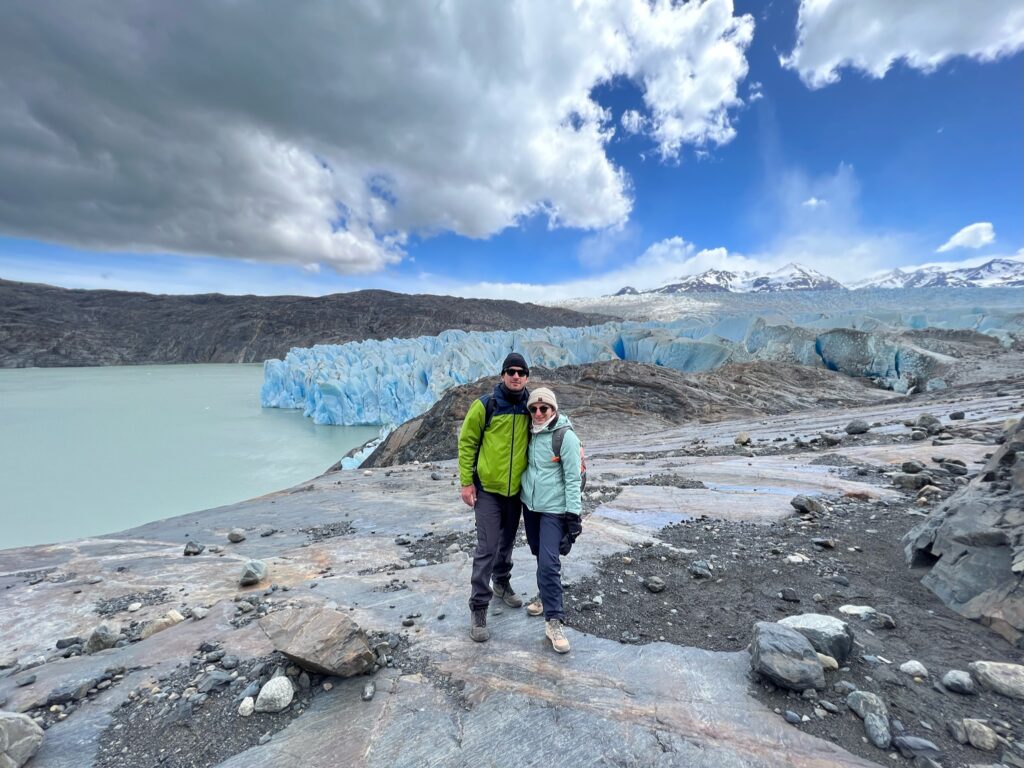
x=86 y=451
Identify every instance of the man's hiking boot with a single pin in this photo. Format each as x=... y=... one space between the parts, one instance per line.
x=503 y=590
x=536 y=608
x=553 y=631
x=478 y=625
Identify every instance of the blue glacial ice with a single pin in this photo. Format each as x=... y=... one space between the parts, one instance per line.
x=388 y=382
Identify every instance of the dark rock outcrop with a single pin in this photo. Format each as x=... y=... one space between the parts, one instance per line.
x=974 y=543
x=601 y=397
x=45 y=326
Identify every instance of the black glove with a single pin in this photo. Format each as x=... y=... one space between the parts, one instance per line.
x=572 y=527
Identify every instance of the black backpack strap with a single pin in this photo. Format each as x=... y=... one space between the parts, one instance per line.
x=490 y=408
x=556 y=441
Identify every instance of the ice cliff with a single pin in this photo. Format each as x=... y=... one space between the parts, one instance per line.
x=388 y=382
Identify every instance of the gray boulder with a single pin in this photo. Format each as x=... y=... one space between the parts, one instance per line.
x=807 y=505
x=974 y=544
x=320 y=639
x=785 y=657
x=914 y=746
x=877 y=730
x=827 y=634
x=958 y=681
x=275 y=695
x=857 y=427
x=1002 y=677
x=253 y=572
x=104 y=636
x=235 y=535
x=20 y=739
x=864 y=703
x=928 y=423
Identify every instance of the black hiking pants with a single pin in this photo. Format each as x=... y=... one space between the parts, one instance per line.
x=497 y=522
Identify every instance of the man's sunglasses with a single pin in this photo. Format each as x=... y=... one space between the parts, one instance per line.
x=540 y=408
x=522 y=372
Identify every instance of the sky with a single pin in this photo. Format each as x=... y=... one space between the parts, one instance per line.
x=526 y=150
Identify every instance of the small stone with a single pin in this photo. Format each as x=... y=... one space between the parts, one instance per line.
x=877 y=729
x=247 y=707
x=436 y=476
x=236 y=535
x=913 y=747
x=742 y=439
x=199 y=613
x=827 y=662
x=912 y=467
x=791 y=717
x=807 y=505
x=857 y=427
x=253 y=572
x=789 y=595
x=980 y=736
x=957 y=415
x=958 y=681
x=275 y=695
x=369 y=690
x=914 y=668
x=655 y=584
x=1003 y=678
x=918 y=434
x=883 y=621
x=24 y=680
x=192 y=549
x=133 y=607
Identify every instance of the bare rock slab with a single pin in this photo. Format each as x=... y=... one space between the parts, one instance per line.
x=320 y=639
x=20 y=739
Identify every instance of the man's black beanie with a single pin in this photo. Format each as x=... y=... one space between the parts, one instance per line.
x=514 y=360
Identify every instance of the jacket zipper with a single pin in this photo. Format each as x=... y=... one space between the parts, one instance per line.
x=511 y=455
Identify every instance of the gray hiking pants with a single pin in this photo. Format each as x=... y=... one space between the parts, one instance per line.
x=497 y=522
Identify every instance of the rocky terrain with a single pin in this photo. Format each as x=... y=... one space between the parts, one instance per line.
x=740 y=596
x=612 y=397
x=44 y=326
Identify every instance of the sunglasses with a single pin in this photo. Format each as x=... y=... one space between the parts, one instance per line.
x=521 y=372
x=540 y=408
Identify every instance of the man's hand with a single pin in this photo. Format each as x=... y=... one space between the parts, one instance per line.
x=469 y=495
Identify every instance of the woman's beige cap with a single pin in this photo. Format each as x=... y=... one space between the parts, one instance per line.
x=542 y=395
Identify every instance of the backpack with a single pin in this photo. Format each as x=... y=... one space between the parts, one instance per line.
x=556 y=448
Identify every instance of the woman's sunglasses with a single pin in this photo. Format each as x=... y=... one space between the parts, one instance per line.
x=521 y=372
x=540 y=408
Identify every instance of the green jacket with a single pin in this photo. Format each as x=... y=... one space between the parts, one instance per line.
x=548 y=485
x=502 y=448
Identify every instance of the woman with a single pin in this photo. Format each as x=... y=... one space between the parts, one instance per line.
x=551 y=495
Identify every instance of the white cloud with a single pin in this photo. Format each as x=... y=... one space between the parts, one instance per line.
x=870 y=35
x=972 y=236
x=755 y=93
x=632 y=121
x=329 y=132
x=813 y=202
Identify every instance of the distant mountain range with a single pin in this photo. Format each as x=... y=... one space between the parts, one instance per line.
x=997 y=273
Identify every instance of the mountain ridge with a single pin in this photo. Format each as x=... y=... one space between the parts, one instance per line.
x=997 y=272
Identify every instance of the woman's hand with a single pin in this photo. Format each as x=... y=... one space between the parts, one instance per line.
x=572 y=527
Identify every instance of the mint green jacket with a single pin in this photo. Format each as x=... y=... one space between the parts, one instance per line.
x=548 y=485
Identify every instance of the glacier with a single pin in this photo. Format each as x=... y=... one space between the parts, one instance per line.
x=387 y=382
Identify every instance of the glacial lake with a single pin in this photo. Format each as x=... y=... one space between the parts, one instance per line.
x=88 y=451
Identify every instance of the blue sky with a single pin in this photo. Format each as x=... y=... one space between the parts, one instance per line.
x=338 y=174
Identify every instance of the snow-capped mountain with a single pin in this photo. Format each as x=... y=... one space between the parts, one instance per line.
x=997 y=273
x=792 y=277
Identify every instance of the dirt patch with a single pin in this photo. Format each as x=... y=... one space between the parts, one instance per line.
x=722 y=577
x=326 y=531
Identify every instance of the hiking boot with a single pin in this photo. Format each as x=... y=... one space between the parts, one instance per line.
x=536 y=608
x=553 y=632
x=503 y=590
x=478 y=625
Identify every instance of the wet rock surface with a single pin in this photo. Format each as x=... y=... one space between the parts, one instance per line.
x=684 y=508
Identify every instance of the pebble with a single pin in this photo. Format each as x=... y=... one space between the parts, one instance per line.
x=791 y=717
x=236 y=535
x=247 y=707
x=655 y=584
x=369 y=690
x=914 y=668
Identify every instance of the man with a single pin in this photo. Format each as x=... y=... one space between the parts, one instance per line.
x=492 y=457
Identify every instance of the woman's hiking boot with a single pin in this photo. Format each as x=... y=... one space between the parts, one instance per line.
x=554 y=633
x=536 y=608
x=478 y=625
x=503 y=590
